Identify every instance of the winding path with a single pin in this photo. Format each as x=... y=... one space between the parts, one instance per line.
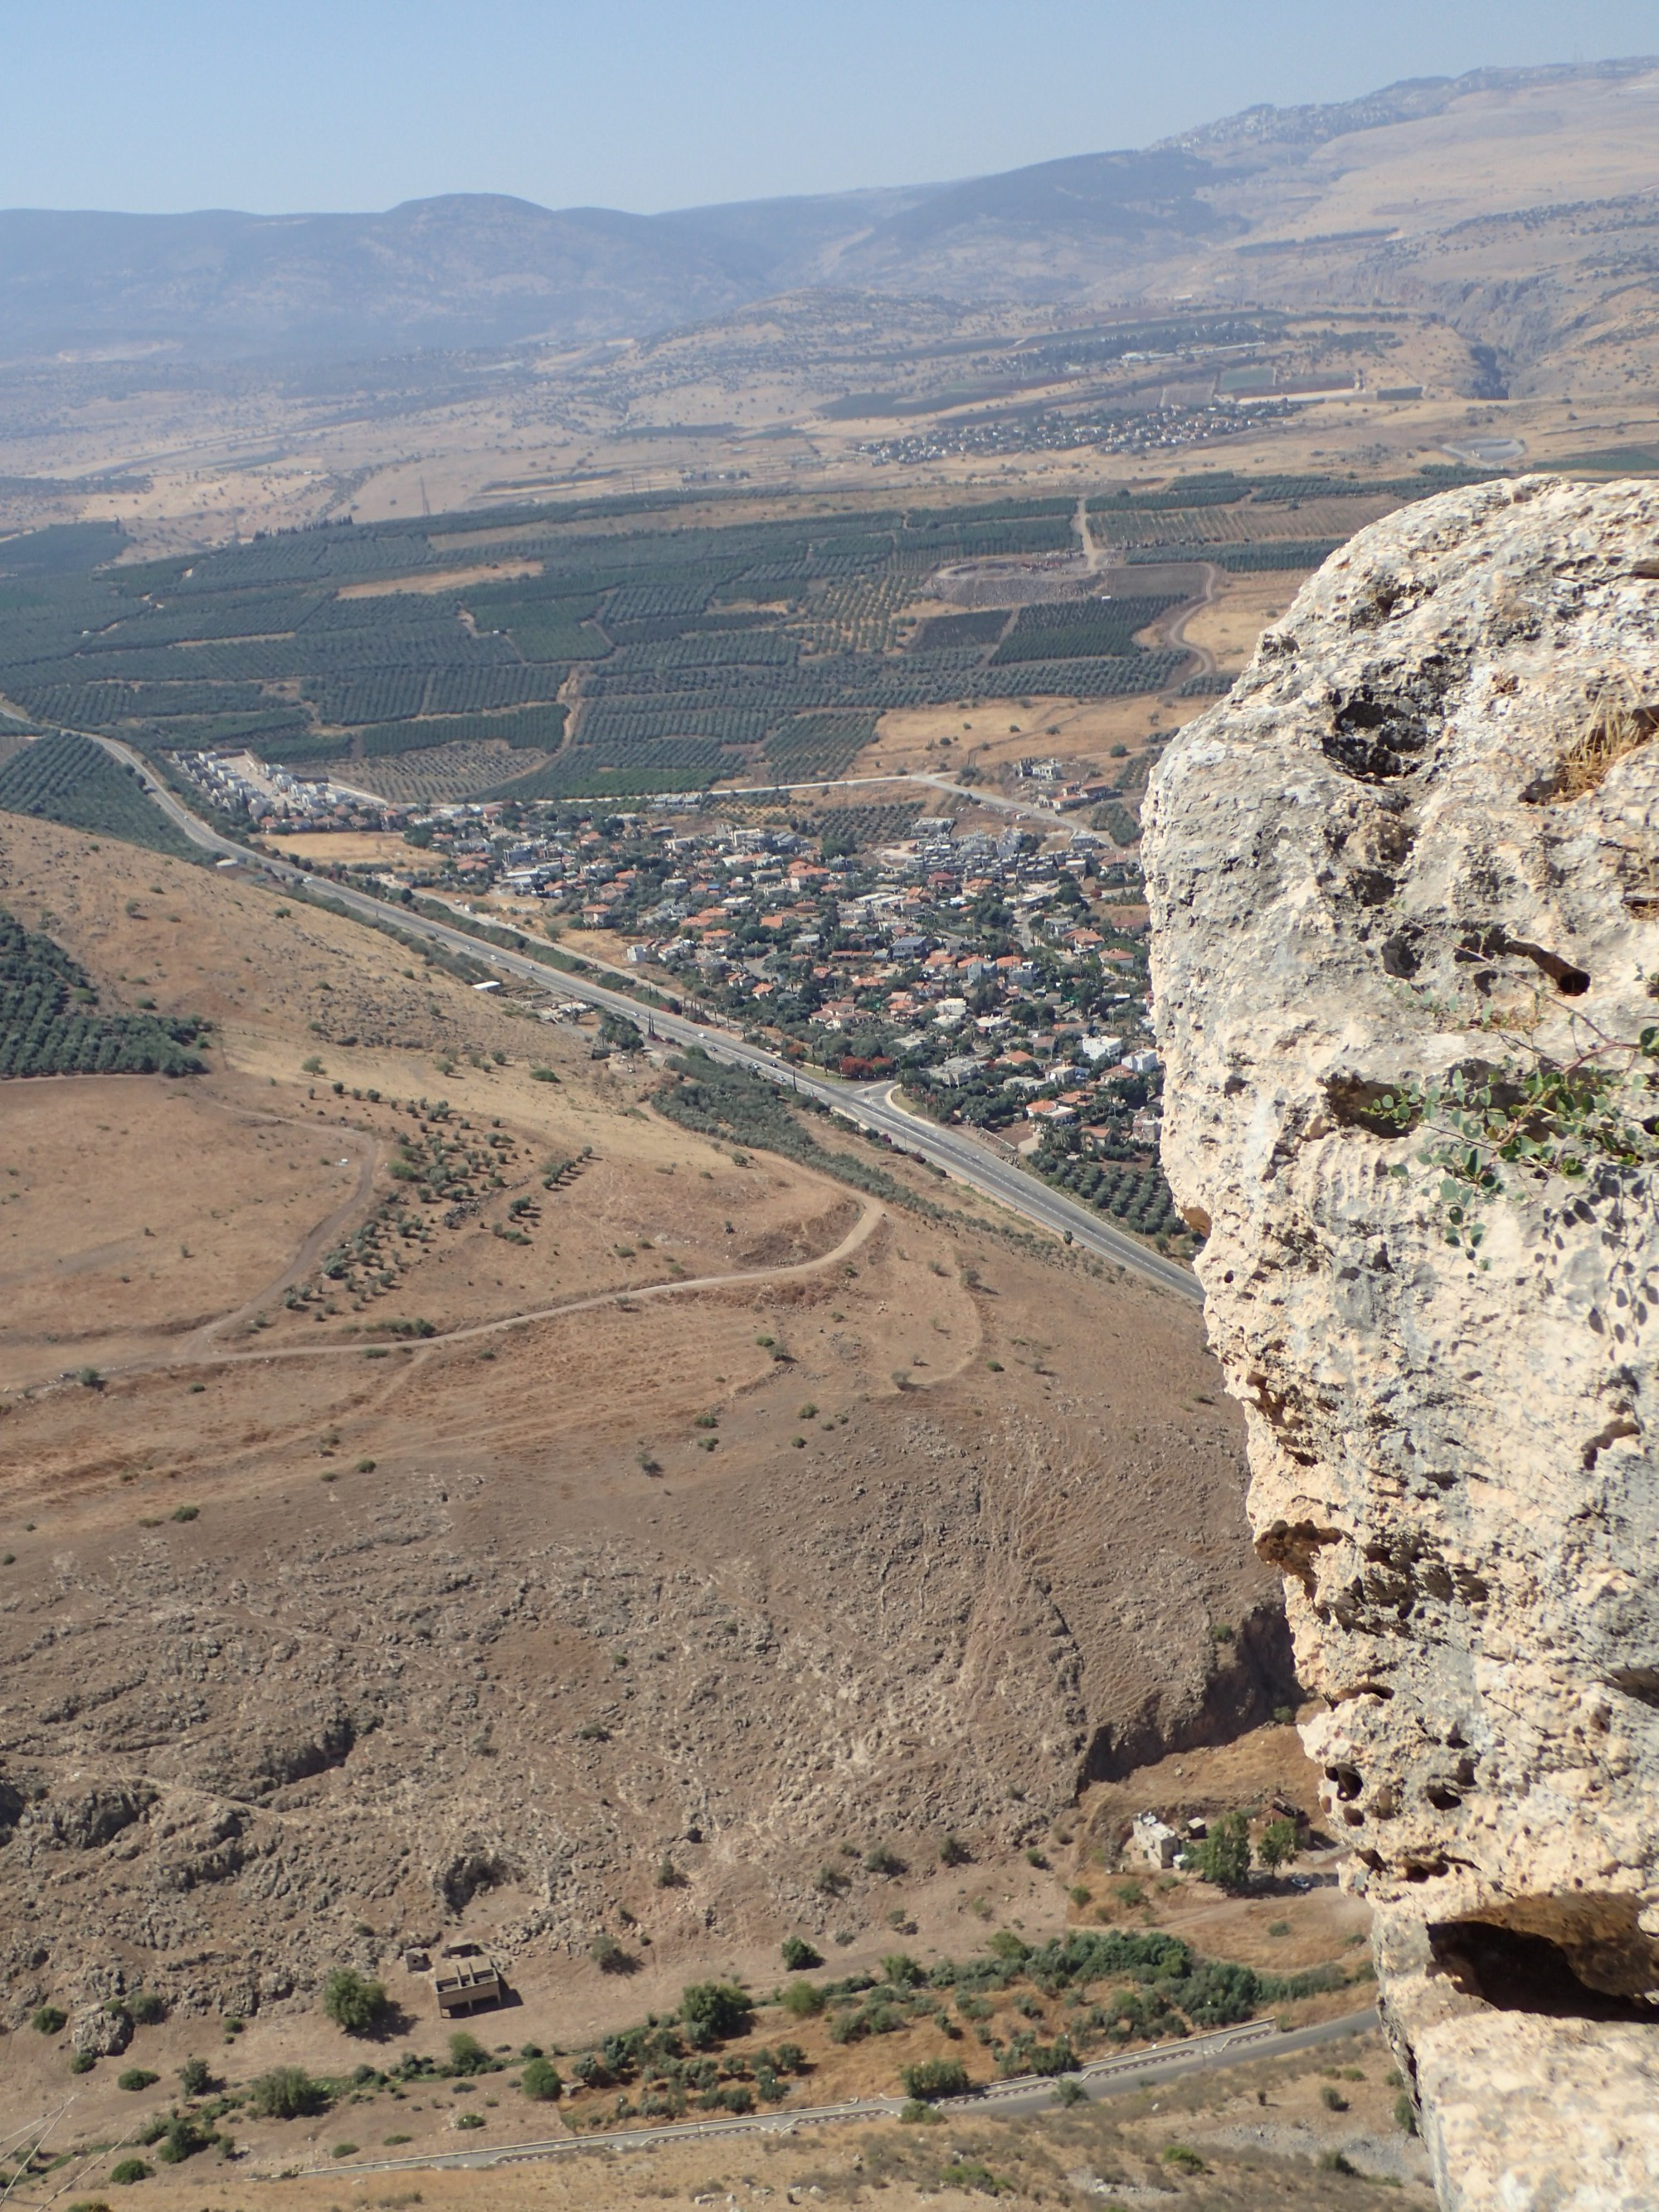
x=199 y=1351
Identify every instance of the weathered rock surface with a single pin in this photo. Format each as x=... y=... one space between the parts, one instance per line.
x=1420 y=837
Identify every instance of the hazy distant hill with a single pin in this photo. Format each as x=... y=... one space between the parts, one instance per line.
x=476 y=269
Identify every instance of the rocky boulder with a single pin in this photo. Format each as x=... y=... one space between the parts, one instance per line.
x=1405 y=894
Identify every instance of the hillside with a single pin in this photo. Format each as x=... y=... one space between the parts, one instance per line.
x=437 y=1621
x=1411 y=162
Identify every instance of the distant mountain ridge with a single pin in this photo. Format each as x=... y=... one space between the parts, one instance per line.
x=474 y=270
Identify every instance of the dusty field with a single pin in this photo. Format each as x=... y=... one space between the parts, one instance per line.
x=994 y=738
x=1230 y=625
x=431 y=580
x=344 y=847
x=725 y=1515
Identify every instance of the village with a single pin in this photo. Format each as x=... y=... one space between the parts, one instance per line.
x=993 y=964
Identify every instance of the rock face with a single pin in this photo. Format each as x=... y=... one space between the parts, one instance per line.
x=1417 y=841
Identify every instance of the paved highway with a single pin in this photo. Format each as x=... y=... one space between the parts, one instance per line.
x=869 y=1106
x=1105 y=2077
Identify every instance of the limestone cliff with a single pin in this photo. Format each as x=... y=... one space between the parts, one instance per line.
x=1405 y=891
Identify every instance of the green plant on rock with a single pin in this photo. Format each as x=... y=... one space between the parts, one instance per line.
x=1489 y=1132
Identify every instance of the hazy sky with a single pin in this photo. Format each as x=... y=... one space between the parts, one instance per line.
x=279 y=105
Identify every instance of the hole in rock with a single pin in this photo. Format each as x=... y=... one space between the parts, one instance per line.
x=1355 y=1102
x=1374 y=738
x=1639 y=1682
x=1580 y=1957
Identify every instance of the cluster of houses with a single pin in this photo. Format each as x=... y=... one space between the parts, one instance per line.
x=276 y=798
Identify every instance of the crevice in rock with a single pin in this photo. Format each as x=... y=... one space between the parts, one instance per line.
x=1597 y=1970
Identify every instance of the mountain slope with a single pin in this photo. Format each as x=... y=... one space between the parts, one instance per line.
x=473 y=270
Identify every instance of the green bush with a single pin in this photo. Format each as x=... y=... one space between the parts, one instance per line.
x=540 y=2081
x=468 y=2056
x=49 y=2020
x=181 y=2139
x=194 y=2077
x=1183 y=2159
x=286 y=2092
x=799 y=1955
x=353 y=2002
x=82 y=2062
x=1280 y=1844
x=933 y=2078
x=149 y=2008
x=1223 y=1856
x=914 y=2113
x=136 y=2077
x=130 y=2170
x=719 y=2009
x=801 y=2001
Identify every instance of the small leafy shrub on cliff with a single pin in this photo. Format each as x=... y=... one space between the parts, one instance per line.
x=1183 y=2159
x=136 y=2077
x=1489 y=1132
x=359 y=2006
x=195 y=2078
x=799 y=1955
x=49 y=2020
x=801 y=2001
x=149 y=2008
x=286 y=2092
x=129 y=2170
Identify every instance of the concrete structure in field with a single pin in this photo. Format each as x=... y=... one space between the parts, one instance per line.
x=1152 y=1841
x=464 y=1981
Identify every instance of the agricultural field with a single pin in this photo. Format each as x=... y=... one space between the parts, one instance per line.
x=50 y=1023
x=630 y=645
x=71 y=779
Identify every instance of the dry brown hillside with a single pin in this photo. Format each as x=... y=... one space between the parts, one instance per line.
x=785 y=1519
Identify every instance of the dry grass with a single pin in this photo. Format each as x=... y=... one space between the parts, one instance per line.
x=1617 y=723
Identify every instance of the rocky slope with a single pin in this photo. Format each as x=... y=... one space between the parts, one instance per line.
x=1417 y=846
